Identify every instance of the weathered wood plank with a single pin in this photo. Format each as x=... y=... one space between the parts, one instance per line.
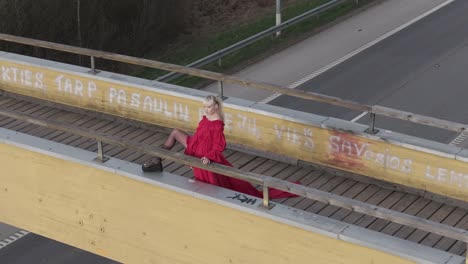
x=124 y=134
x=30 y=130
x=4 y=101
x=287 y=172
x=317 y=184
x=243 y=160
x=135 y=156
x=375 y=199
x=70 y=119
x=363 y=196
x=413 y=209
x=402 y=206
x=388 y=202
x=177 y=167
x=14 y=104
x=138 y=136
x=455 y=219
x=276 y=170
x=425 y=213
x=338 y=189
x=28 y=126
x=439 y=215
x=251 y=165
x=351 y=192
x=460 y=247
x=57 y=116
x=184 y=170
x=432 y=239
x=298 y=175
x=91 y=125
x=40 y=132
x=139 y=157
x=265 y=166
x=311 y=175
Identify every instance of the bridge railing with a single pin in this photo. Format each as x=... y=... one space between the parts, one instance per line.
x=373 y=110
x=265 y=181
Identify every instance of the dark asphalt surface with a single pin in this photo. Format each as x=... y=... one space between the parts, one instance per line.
x=421 y=69
x=35 y=249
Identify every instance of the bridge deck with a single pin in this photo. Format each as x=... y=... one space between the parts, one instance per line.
x=370 y=193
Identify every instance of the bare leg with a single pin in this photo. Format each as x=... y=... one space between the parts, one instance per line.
x=175 y=135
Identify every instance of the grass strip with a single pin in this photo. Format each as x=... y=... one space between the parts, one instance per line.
x=258 y=49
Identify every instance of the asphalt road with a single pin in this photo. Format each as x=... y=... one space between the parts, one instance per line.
x=421 y=69
x=40 y=250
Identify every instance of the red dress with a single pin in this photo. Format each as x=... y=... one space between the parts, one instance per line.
x=208 y=141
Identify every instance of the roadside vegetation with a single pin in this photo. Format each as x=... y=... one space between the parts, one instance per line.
x=193 y=49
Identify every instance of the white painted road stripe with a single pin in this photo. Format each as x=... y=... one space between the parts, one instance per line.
x=13 y=238
x=459 y=139
x=353 y=53
x=358 y=117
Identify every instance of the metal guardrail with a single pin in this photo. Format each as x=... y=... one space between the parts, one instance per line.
x=266 y=181
x=243 y=43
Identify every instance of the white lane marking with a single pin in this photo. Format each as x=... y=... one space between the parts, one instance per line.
x=459 y=139
x=358 y=117
x=355 y=52
x=7 y=241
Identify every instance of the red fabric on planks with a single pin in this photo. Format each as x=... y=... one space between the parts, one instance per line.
x=209 y=141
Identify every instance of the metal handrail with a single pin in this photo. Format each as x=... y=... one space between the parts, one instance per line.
x=373 y=110
x=243 y=43
x=266 y=181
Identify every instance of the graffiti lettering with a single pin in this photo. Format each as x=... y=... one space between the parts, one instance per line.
x=149 y=104
x=356 y=149
x=293 y=136
x=238 y=121
x=243 y=198
x=248 y=124
x=447 y=176
x=23 y=77
x=228 y=121
x=75 y=86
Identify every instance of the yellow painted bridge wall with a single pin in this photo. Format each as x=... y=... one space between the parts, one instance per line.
x=371 y=157
x=136 y=222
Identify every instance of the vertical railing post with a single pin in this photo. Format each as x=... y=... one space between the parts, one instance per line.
x=266 y=198
x=371 y=128
x=93 y=66
x=221 y=90
x=100 y=156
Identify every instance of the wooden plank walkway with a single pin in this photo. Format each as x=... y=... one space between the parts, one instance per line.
x=396 y=200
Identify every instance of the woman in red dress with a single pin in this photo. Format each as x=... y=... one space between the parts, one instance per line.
x=208 y=144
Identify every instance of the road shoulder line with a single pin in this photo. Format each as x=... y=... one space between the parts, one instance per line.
x=357 y=51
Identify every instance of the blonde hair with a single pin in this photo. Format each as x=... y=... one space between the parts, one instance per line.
x=211 y=99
